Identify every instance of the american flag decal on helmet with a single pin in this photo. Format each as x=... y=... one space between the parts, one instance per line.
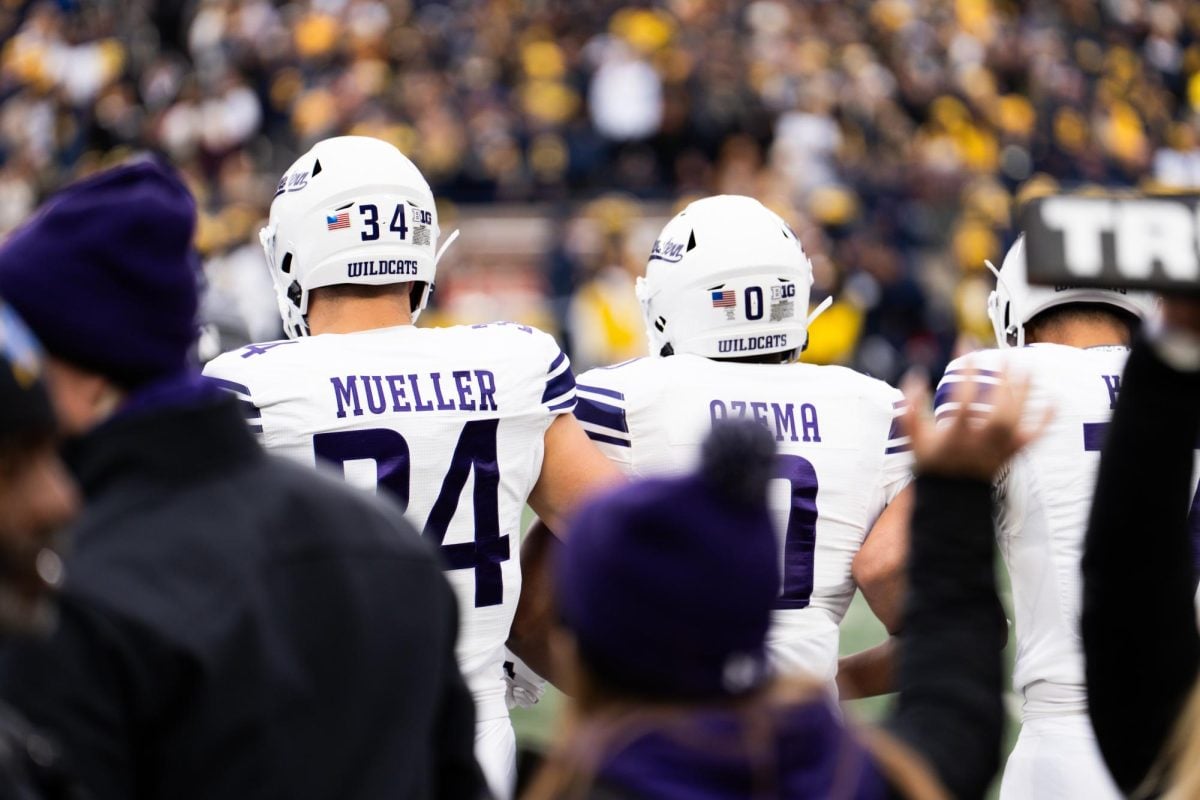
x=725 y=299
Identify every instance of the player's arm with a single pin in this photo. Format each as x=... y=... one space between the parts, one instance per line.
x=880 y=571
x=535 y=616
x=573 y=469
x=868 y=673
x=879 y=566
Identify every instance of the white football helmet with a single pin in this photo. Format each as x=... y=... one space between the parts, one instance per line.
x=1014 y=302
x=726 y=278
x=351 y=210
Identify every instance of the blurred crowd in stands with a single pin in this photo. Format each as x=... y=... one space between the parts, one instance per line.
x=894 y=134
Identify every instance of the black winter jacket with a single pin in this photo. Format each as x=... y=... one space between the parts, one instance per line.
x=234 y=626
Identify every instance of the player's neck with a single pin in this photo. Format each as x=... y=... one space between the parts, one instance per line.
x=351 y=315
x=1085 y=334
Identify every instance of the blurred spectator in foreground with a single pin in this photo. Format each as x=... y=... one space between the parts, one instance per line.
x=665 y=588
x=36 y=499
x=1144 y=701
x=230 y=625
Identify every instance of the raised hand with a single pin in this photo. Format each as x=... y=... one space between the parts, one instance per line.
x=970 y=444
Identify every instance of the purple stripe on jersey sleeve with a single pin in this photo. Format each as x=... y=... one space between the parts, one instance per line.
x=249 y=410
x=899 y=448
x=602 y=414
x=600 y=437
x=613 y=393
x=229 y=386
x=556 y=362
x=565 y=404
x=982 y=392
x=559 y=385
x=967 y=372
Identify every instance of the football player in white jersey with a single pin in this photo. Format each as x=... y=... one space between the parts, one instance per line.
x=725 y=298
x=1071 y=344
x=462 y=426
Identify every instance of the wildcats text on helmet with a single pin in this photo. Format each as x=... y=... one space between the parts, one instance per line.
x=385 y=266
x=739 y=344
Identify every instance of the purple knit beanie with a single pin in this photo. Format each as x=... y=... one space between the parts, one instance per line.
x=105 y=275
x=668 y=584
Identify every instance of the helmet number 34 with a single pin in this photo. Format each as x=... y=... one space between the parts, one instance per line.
x=370 y=218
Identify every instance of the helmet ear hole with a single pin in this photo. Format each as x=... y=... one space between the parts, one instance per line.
x=660 y=324
x=294 y=293
x=691 y=245
x=286 y=265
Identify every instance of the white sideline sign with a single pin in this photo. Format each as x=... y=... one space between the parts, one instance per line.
x=1150 y=243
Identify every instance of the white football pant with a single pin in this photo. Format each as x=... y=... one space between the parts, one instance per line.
x=496 y=751
x=1057 y=758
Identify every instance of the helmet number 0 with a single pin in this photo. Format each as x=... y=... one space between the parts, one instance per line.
x=370 y=214
x=754 y=302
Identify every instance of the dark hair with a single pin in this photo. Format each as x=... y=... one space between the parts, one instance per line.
x=782 y=357
x=363 y=291
x=1042 y=325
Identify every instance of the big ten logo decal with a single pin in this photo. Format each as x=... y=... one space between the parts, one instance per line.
x=783 y=302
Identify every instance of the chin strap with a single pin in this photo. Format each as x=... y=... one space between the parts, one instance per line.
x=819 y=310
x=445 y=246
x=1019 y=330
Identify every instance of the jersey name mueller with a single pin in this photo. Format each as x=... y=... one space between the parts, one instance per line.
x=458 y=390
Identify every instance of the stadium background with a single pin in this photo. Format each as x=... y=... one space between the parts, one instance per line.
x=894 y=135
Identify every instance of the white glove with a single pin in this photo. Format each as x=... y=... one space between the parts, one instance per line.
x=523 y=687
